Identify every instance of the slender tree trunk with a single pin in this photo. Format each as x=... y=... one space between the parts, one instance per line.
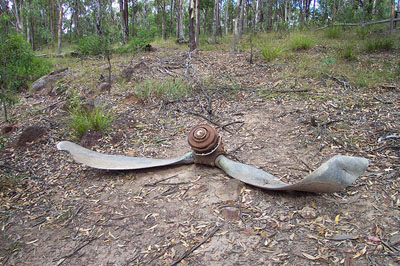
x=122 y=17
x=192 y=40
x=112 y=11
x=197 y=22
x=392 y=17
x=180 y=33
x=99 y=17
x=28 y=28
x=226 y=18
x=133 y=18
x=59 y=31
x=17 y=14
x=235 y=30
x=171 y=19
x=75 y=17
x=3 y=101
x=164 y=21
x=215 y=20
x=241 y=18
x=257 y=15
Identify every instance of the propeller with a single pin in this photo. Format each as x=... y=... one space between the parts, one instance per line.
x=207 y=148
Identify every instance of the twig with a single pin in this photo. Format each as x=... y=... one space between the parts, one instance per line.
x=209 y=120
x=159 y=181
x=231 y=123
x=289 y=91
x=344 y=83
x=382 y=101
x=88 y=241
x=330 y=122
x=196 y=246
x=74 y=215
x=237 y=148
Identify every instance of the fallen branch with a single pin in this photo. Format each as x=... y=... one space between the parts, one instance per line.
x=237 y=148
x=159 y=181
x=63 y=258
x=382 y=101
x=196 y=246
x=290 y=91
x=344 y=83
x=358 y=24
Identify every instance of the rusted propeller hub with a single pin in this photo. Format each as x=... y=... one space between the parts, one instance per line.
x=206 y=144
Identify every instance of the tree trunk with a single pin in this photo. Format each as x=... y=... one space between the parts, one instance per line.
x=257 y=15
x=133 y=18
x=99 y=17
x=164 y=22
x=226 y=18
x=59 y=26
x=122 y=17
x=180 y=33
x=197 y=22
x=17 y=14
x=171 y=19
x=241 y=18
x=75 y=17
x=215 y=20
x=235 y=30
x=392 y=17
x=192 y=40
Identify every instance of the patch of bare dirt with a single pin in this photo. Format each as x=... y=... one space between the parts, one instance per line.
x=63 y=213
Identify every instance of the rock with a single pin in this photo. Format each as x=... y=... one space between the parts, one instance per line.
x=7 y=129
x=90 y=138
x=105 y=86
x=47 y=81
x=308 y=213
x=127 y=72
x=230 y=191
x=230 y=213
x=30 y=134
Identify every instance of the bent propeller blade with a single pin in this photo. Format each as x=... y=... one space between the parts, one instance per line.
x=118 y=162
x=334 y=175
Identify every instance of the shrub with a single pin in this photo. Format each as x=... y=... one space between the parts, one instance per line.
x=139 y=42
x=347 y=52
x=333 y=32
x=379 y=44
x=90 y=45
x=166 y=90
x=362 y=32
x=300 y=42
x=18 y=66
x=270 y=52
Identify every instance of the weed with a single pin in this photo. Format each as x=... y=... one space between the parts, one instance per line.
x=347 y=52
x=81 y=120
x=333 y=32
x=379 y=44
x=3 y=141
x=327 y=63
x=300 y=42
x=165 y=90
x=10 y=180
x=270 y=52
x=362 y=32
x=90 y=45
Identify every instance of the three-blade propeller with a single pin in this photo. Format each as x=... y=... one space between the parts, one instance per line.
x=334 y=175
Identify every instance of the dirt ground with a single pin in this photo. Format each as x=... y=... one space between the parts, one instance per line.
x=64 y=213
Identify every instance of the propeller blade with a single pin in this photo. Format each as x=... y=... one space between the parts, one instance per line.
x=118 y=162
x=334 y=175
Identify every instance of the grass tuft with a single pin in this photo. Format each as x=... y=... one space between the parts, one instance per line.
x=270 y=52
x=333 y=32
x=165 y=90
x=300 y=42
x=379 y=44
x=348 y=52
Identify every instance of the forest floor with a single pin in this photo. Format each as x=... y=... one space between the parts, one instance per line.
x=283 y=117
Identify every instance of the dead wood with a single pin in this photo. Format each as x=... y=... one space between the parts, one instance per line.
x=359 y=24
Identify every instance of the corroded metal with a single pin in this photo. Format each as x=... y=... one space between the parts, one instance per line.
x=206 y=144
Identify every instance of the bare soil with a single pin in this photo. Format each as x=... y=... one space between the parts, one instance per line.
x=61 y=213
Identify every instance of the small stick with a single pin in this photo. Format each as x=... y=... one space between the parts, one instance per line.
x=236 y=149
x=159 y=181
x=75 y=251
x=196 y=246
x=209 y=120
x=231 y=123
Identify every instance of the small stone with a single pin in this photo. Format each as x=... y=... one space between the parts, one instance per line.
x=230 y=213
x=30 y=134
x=308 y=213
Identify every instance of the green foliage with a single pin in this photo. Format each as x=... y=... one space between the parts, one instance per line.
x=3 y=140
x=139 y=42
x=379 y=44
x=270 y=52
x=300 y=42
x=327 y=63
x=348 y=52
x=18 y=66
x=165 y=90
x=91 y=45
x=362 y=32
x=9 y=180
x=333 y=32
x=81 y=119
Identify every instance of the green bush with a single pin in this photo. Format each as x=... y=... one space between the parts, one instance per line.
x=362 y=32
x=165 y=90
x=300 y=42
x=379 y=44
x=92 y=45
x=81 y=120
x=333 y=32
x=270 y=52
x=139 y=42
x=347 y=52
x=18 y=66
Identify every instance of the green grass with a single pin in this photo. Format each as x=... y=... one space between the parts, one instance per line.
x=333 y=32
x=10 y=180
x=270 y=52
x=300 y=42
x=379 y=44
x=348 y=52
x=165 y=90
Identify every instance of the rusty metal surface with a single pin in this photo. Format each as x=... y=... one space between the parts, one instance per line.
x=206 y=144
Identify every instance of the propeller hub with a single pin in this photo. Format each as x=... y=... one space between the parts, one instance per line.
x=206 y=144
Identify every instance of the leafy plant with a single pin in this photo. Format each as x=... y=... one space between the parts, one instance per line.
x=333 y=32
x=139 y=42
x=362 y=32
x=18 y=67
x=300 y=42
x=379 y=44
x=90 y=45
x=347 y=52
x=10 y=180
x=270 y=52
x=166 y=90
x=327 y=63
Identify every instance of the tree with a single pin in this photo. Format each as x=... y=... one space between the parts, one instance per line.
x=215 y=20
x=59 y=26
x=235 y=30
x=192 y=14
